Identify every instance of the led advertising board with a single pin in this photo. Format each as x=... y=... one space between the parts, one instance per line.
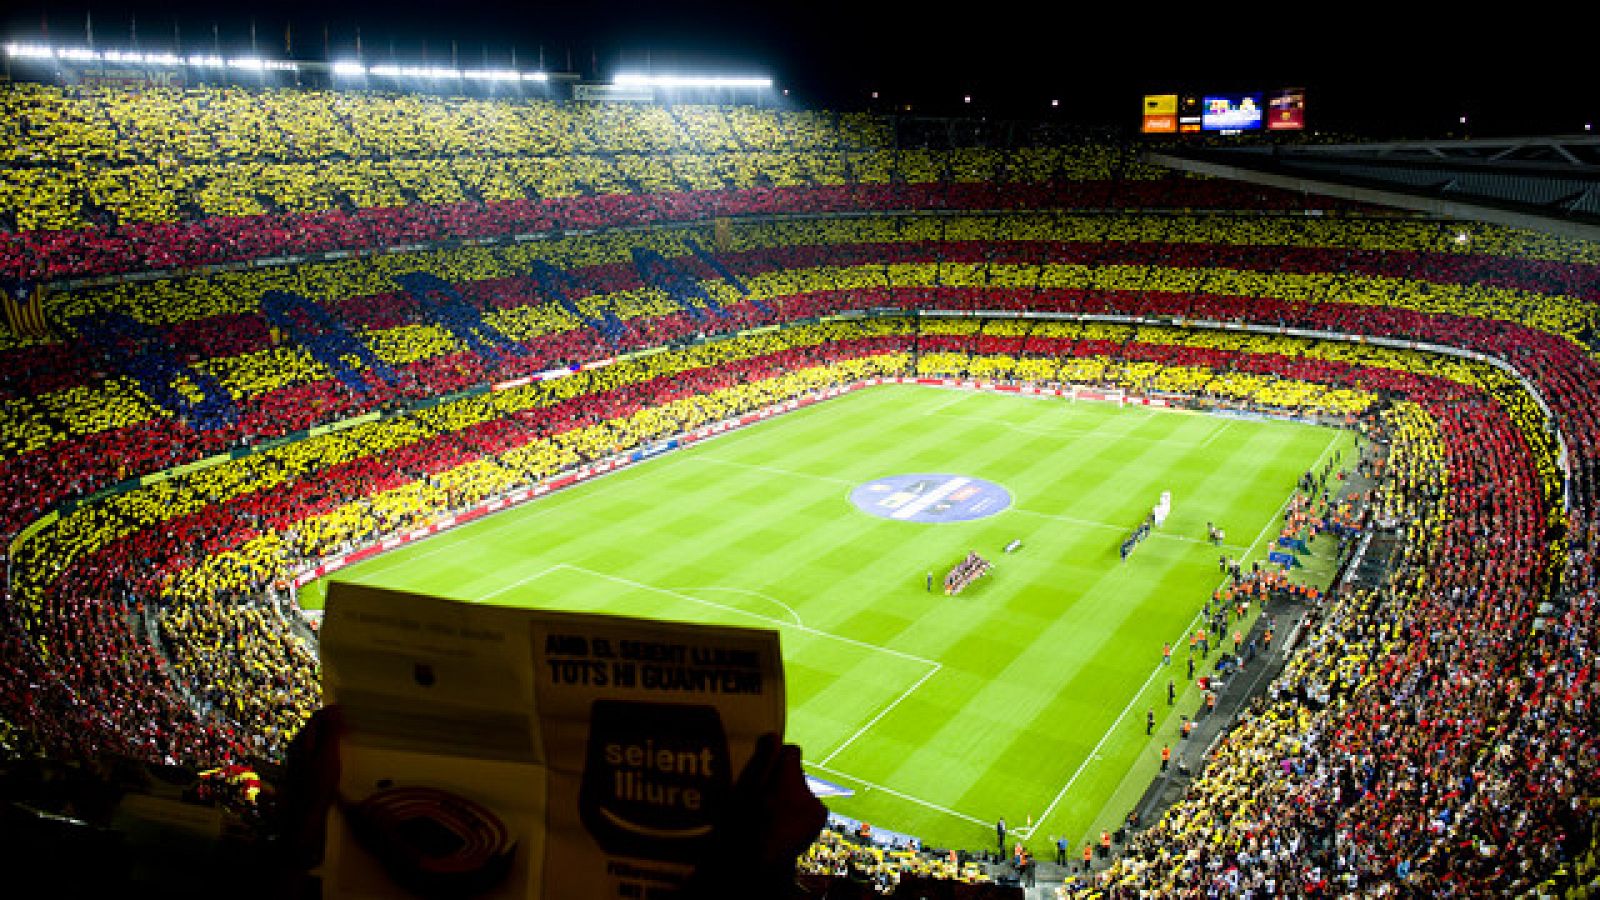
x=1231 y=112
x=1160 y=114
x=1189 y=114
x=1286 y=110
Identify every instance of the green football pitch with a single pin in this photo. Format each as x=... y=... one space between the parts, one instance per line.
x=1024 y=696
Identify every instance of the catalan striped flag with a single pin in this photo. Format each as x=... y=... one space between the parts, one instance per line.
x=24 y=311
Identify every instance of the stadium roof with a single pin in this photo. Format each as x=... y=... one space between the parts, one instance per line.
x=1550 y=184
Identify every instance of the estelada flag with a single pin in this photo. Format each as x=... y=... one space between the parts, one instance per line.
x=25 y=313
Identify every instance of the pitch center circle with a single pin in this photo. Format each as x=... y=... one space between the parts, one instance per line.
x=930 y=497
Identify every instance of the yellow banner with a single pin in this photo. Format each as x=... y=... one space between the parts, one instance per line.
x=1160 y=104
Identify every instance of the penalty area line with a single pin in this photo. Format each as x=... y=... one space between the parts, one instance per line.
x=518 y=583
x=823 y=766
x=881 y=713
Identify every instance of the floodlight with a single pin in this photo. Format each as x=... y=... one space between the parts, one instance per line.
x=414 y=72
x=30 y=51
x=638 y=79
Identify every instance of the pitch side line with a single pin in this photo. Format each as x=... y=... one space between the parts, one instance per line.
x=1276 y=518
x=1090 y=523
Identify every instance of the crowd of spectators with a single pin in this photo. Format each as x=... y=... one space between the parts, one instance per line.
x=1393 y=749
x=101 y=179
x=1436 y=733
x=214 y=321
x=885 y=869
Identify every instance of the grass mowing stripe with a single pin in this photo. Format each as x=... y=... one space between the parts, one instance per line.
x=885 y=711
x=744 y=612
x=1178 y=641
x=894 y=793
x=1034 y=663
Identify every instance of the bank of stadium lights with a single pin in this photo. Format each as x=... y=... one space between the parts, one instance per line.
x=346 y=68
x=711 y=82
x=354 y=69
x=170 y=60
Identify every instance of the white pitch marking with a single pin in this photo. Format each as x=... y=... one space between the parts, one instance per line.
x=1094 y=754
x=1090 y=523
x=1216 y=434
x=807 y=629
x=881 y=713
x=773 y=470
x=518 y=583
x=933 y=666
x=903 y=796
x=960 y=395
x=767 y=597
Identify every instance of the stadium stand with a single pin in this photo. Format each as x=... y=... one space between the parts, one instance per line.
x=237 y=386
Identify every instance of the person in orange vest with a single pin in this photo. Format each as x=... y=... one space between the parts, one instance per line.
x=1105 y=843
x=1166 y=756
x=1088 y=856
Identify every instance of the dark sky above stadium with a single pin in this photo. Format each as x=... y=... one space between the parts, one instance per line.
x=1367 y=67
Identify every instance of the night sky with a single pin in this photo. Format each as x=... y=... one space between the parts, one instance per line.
x=1377 y=70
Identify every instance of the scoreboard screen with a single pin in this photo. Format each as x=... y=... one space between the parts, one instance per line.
x=1231 y=112
x=1286 y=110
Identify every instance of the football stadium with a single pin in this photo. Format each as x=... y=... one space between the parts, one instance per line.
x=1203 y=506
